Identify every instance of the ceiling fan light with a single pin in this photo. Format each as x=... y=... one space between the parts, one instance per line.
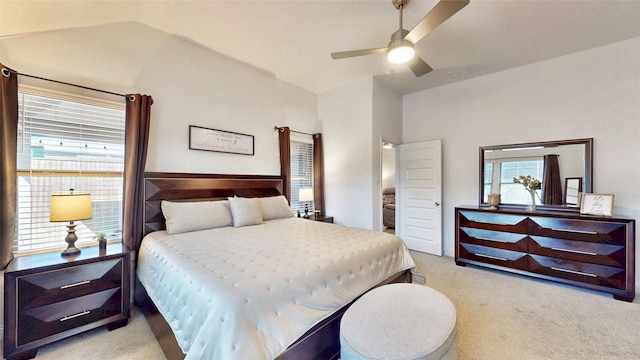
x=401 y=53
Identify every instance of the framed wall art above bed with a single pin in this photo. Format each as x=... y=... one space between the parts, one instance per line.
x=201 y=138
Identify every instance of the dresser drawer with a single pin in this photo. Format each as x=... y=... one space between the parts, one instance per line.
x=583 y=230
x=493 y=221
x=489 y=255
x=491 y=238
x=600 y=275
x=583 y=251
x=58 y=285
x=41 y=322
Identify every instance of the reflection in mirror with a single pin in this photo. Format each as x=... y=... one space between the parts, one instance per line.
x=499 y=164
x=572 y=190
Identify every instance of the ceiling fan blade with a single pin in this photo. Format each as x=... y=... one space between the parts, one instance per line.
x=352 y=53
x=441 y=12
x=418 y=66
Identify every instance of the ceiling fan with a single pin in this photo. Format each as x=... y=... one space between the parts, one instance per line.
x=400 y=49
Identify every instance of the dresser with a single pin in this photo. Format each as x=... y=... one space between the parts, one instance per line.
x=594 y=252
x=48 y=297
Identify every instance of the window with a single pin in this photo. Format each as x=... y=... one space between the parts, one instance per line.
x=64 y=143
x=488 y=176
x=511 y=192
x=301 y=170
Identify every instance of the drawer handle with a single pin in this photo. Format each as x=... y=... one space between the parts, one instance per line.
x=75 y=315
x=491 y=257
x=577 y=231
x=574 y=272
x=575 y=251
x=487 y=239
x=495 y=223
x=74 y=284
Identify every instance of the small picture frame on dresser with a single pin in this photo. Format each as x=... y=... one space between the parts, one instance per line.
x=596 y=204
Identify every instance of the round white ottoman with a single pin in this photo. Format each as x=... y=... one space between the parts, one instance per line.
x=399 y=321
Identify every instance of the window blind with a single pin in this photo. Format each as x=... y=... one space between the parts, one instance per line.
x=65 y=143
x=301 y=171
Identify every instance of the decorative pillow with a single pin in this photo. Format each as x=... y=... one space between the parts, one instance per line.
x=245 y=211
x=275 y=207
x=195 y=215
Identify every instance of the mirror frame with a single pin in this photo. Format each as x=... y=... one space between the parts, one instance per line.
x=587 y=182
x=566 y=187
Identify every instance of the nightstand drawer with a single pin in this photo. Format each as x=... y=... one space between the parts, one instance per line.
x=40 y=322
x=58 y=285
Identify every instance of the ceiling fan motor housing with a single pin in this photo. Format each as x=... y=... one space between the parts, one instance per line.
x=397 y=38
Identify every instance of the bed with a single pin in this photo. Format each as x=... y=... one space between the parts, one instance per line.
x=259 y=287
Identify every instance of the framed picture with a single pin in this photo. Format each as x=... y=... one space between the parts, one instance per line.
x=201 y=138
x=596 y=204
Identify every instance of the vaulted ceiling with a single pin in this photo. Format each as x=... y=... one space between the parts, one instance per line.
x=294 y=39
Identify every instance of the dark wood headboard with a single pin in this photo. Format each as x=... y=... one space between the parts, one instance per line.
x=200 y=187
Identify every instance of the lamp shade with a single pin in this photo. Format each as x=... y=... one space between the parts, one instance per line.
x=305 y=194
x=70 y=207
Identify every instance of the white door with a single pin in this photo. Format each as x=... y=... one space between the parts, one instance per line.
x=420 y=215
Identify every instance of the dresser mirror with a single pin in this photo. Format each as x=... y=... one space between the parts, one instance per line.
x=499 y=164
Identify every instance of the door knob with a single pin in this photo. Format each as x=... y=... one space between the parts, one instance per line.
x=437 y=203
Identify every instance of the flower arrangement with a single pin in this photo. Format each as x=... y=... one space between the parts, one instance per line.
x=530 y=184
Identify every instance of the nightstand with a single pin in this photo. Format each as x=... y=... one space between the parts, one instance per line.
x=327 y=219
x=48 y=297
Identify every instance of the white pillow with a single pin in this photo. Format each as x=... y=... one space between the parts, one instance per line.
x=195 y=215
x=275 y=207
x=245 y=211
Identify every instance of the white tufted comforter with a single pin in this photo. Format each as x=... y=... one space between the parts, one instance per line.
x=250 y=292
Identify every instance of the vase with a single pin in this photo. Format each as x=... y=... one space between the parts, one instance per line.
x=531 y=206
x=493 y=201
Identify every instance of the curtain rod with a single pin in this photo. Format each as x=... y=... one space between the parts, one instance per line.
x=299 y=132
x=66 y=83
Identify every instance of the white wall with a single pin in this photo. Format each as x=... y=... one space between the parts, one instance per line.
x=213 y=91
x=593 y=93
x=190 y=85
x=387 y=126
x=355 y=118
x=346 y=115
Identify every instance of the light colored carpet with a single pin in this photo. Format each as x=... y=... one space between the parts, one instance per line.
x=500 y=316
x=132 y=342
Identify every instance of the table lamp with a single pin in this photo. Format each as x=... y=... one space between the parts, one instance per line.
x=70 y=207
x=306 y=195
